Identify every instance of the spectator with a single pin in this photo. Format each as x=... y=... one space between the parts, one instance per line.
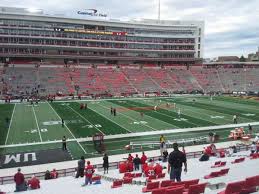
x=204 y=157
x=81 y=167
x=130 y=158
x=235 y=119
x=54 y=174
x=105 y=163
x=158 y=169
x=34 y=183
x=64 y=143
x=47 y=175
x=136 y=162
x=175 y=161
x=253 y=148
x=19 y=181
x=143 y=158
x=89 y=171
x=250 y=129
x=149 y=170
x=162 y=144
x=165 y=155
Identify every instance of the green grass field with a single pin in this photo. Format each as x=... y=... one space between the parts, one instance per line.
x=42 y=123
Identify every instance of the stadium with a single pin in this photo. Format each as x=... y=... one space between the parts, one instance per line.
x=115 y=87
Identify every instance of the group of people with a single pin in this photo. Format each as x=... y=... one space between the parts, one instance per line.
x=51 y=175
x=113 y=111
x=88 y=170
x=22 y=185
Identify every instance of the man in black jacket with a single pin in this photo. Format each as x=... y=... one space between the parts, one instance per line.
x=136 y=162
x=175 y=162
x=80 y=167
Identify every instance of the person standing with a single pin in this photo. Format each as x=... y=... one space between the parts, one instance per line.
x=111 y=111
x=89 y=171
x=175 y=162
x=64 y=143
x=105 y=163
x=250 y=129
x=143 y=158
x=235 y=119
x=162 y=144
x=80 y=167
x=114 y=111
x=136 y=162
x=19 y=180
x=62 y=122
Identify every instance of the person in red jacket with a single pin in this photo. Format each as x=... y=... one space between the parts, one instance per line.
x=130 y=158
x=54 y=174
x=143 y=158
x=20 y=181
x=158 y=169
x=89 y=171
x=149 y=170
x=34 y=183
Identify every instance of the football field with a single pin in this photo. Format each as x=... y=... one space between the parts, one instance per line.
x=38 y=127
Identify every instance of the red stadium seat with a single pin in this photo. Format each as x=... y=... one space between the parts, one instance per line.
x=197 y=189
x=190 y=182
x=250 y=185
x=159 y=191
x=127 y=180
x=150 y=186
x=212 y=175
x=176 y=190
x=165 y=183
x=224 y=171
x=161 y=175
x=232 y=188
x=117 y=184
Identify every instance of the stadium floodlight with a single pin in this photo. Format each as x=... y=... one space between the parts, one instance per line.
x=34 y=10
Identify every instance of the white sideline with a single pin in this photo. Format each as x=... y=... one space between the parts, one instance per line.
x=33 y=110
x=10 y=125
x=170 y=131
x=147 y=133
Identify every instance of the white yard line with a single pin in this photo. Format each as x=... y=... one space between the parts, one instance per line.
x=37 y=123
x=10 y=125
x=86 y=119
x=67 y=128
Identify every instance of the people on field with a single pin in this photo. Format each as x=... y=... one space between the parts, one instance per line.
x=179 y=113
x=250 y=129
x=62 y=122
x=114 y=112
x=80 y=167
x=235 y=119
x=47 y=175
x=34 y=183
x=136 y=162
x=54 y=174
x=20 y=184
x=175 y=162
x=64 y=143
x=105 y=163
x=89 y=171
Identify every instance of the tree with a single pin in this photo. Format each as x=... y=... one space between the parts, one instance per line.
x=242 y=59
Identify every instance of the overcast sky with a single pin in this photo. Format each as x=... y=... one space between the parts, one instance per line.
x=231 y=26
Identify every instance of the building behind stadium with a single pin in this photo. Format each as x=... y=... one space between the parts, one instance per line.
x=31 y=35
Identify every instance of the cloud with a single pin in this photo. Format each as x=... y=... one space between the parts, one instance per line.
x=231 y=27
